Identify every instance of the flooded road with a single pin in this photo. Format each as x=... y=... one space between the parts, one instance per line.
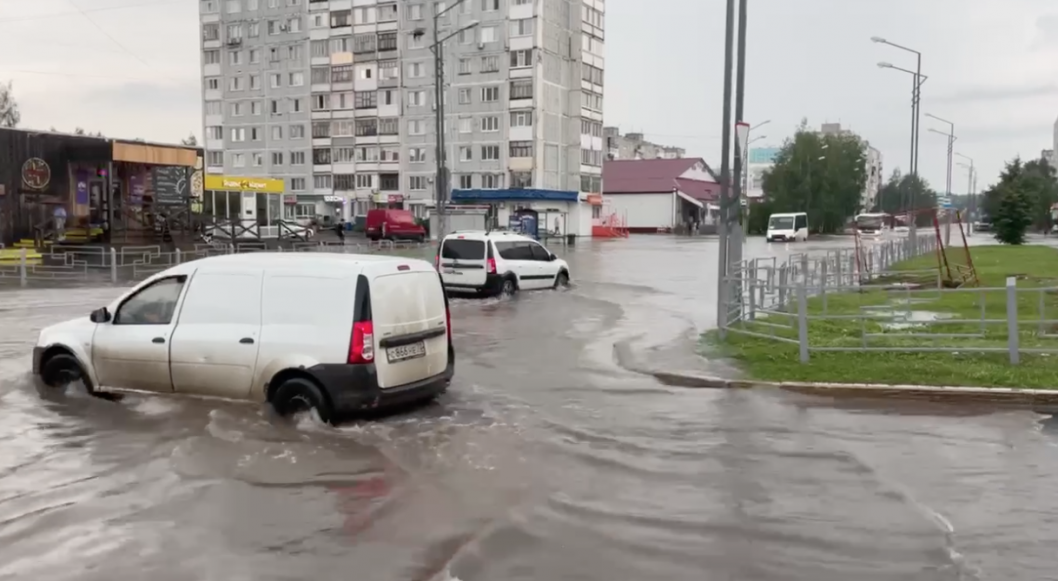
x=547 y=460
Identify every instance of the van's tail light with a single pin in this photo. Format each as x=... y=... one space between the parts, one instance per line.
x=437 y=262
x=490 y=266
x=362 y=346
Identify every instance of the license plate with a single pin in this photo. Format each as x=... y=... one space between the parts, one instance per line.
x=405 y=352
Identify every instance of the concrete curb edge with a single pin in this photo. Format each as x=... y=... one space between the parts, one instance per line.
x=1031 y=397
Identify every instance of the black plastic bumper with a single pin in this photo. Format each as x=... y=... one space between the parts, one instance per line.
x=354 y=388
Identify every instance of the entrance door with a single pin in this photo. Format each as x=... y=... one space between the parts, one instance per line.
x=34 y=210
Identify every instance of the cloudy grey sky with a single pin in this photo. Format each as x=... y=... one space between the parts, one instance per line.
x=129 y=68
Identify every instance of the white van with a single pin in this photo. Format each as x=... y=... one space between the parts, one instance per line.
x=790 y=227
x=337 y=333
x=498 y=263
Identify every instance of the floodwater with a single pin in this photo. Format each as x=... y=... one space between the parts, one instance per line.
x=548 y=459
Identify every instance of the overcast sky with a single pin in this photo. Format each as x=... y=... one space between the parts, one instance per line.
x=130 y=68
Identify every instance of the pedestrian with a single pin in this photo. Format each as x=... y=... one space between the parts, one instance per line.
x=339 y=228
x=59 y=216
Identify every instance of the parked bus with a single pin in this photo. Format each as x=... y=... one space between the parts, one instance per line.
x=874 y=224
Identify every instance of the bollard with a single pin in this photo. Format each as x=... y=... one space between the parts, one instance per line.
x=1012 y=320
x=23 y=278
x=113 y=265
x=802 y=320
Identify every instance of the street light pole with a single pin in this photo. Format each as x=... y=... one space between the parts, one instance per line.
x=725 y=174
x=947 y=186
x=737 y=227
x=745 y=166
x=971 y=178
x=916 y=100
x=442 y=182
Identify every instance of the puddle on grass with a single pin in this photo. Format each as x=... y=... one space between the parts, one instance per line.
x=902 y=320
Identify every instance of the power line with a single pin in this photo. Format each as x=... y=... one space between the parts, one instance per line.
x=110 y=36
x=82 y=12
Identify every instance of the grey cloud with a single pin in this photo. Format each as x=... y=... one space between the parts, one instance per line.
x=995 y=93
x=1046 y=31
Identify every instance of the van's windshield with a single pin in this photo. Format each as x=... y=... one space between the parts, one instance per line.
x=781 y=223
x=457 y=249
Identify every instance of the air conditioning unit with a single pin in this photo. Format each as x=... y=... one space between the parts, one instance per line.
x=481 y=45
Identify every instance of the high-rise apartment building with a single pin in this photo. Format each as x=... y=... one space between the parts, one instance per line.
x=336 y=98
x=634 y=146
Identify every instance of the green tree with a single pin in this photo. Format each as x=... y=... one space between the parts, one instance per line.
x=823 y=175
x=1036 y=179
x=9 y=113
x=190 y=140
x=907 y=192
x=1013 y=214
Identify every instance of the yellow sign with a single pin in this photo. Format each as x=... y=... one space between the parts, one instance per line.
x=237 y=184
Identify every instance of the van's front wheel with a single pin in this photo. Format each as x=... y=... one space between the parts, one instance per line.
x=296 y=395
x=61 y=370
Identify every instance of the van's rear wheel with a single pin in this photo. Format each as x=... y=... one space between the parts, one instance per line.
x=509 y=287
x=61 y=370
x=296 y=395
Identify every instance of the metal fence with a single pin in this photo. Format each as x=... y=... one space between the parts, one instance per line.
x=851 y=300
x=82 y=265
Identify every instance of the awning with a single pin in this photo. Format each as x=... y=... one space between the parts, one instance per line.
x=514 y=195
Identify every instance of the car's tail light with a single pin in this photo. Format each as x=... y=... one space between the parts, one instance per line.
x=437 y=262
x=490 y=266
x=362 y=345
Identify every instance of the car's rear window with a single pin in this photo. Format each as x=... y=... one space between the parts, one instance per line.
x=457 y=249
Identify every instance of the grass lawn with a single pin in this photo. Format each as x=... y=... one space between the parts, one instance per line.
x=1036 y=268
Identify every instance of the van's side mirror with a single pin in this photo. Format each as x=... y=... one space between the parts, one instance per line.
x=100 y=316
x=552 y=257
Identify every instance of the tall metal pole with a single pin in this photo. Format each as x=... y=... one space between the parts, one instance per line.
x=725 y=172
x=441 y=179
x=737 y=231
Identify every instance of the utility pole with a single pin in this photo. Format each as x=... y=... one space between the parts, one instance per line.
x=442 y=183
x=724 y=226
x=971 y=192
x=950 y=135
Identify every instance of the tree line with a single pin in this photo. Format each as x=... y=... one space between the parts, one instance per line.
x=1021 y=200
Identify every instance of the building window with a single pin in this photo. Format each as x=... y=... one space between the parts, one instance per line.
x=277 y=158
x=490 y=64
x=342 y=74
x=340 y=45
x=592 y=101
x=211 y=57
x=417 y=154
x=319 y=48
x=366 y=127
x=389 y=126
x=233 y=6
x=390 y=153
x=490 y=153
x=490 y=124
x=297 y=158
x=297 y=184
x=321 y=75
x=342 y=128
x=238 y=160
x=523 y=27
x=340 y=18
x=521 y=149
x=415 y=12
x=490 y=94
x=320 y=102
x=521 y=118
x=238 y=134
x=388 y=70
x=416 y=70
x=296 y=79
x=521 y=180
x=321 y=129
x=464 y=67
x=464 y=96
x=389 y=181
x=366 y=154
x=364 y=43
x=491 y=181
x=344 y=154
x=416 y=98
x=236 y=84
x=321 y=156
x=277 y=132
x=321 y=182
x=591 y=157
x=466 y=181
x=387 y=41
x=387 y=13
x=417 y=183
x=214 y=107
x=344 y=182
x=521 y=58
x=416 y=127
x=591 y=74
x=215 y=158
x=364 y=180
x=254 y=30
x=214 y=132
x=297 y=132
x=488 y=34
x=522 y=89
x=213 y=83
x=490 y=5
x=366 y=99
x=275 y=80
x=236 y=109
x=364 y=15
x=255 y=82
x=211 y=31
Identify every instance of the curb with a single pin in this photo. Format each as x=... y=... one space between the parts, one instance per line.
x=993 y=395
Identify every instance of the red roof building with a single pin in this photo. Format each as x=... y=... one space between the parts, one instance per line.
x=657 y=195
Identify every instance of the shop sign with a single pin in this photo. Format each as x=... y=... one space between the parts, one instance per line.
x=395 y=198
x=333 y=199
x=594 y=199
x=240 y=184
x=36 y=175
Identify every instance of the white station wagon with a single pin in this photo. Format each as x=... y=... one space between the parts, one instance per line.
x=331 y=332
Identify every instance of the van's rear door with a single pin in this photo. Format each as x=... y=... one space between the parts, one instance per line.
x=462 y=262
x=408 y=314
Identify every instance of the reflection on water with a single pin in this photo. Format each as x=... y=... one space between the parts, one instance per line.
x=547 y=460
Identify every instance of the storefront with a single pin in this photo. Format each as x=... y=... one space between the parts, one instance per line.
x=550 y=212
x=249 y=202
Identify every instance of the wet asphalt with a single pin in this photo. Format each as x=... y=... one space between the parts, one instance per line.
x=548 y=459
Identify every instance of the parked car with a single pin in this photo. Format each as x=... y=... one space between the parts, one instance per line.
x=331 y=332
x=393 y=225
x=498 y=263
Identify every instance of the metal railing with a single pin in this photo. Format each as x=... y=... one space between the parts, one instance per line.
x=95 y=265
x=848 y=301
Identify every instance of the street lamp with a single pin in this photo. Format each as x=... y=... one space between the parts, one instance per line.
x=916 y=97
x=745 y=162
x=442 y=182
x=947 y=187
